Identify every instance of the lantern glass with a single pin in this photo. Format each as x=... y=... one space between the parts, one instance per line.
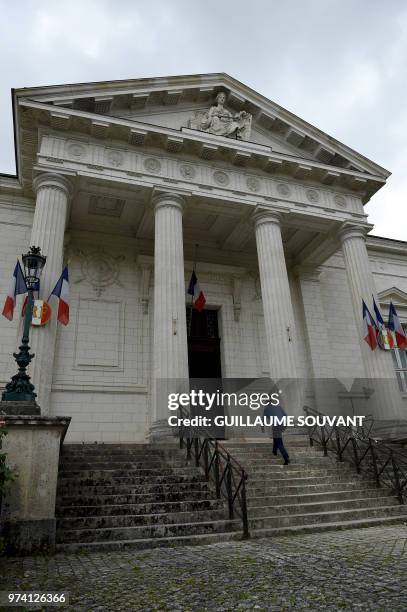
x=33 y=263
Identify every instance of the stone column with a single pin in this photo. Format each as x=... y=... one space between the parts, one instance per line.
x=377 y=364
x=315 y=322
x=276 y=297
x=51 y=210
x=170 y=352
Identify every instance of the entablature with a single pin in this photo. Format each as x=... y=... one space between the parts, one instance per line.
x=207 y=179
x=187 y=142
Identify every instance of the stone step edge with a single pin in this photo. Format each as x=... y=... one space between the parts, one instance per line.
x=226 y=521
x=189 y=540
x=351 y=511
x=339 y=525
x=324 y=503
x=147 y=515
x=187 y=501
x=296 y=495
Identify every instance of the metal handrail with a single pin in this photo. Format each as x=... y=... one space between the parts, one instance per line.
x=219 y=466
x=374 y=458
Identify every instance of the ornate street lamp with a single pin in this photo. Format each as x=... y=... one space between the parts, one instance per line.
x=20 y=389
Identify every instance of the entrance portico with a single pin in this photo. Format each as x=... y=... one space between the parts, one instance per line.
x=124 y=198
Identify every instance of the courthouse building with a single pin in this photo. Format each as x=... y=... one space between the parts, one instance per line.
x=132 y=183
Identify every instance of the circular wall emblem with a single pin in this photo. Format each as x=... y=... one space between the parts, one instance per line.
x=221 y=178
x=41 y=313
x=187 y=171
x=283 y=189
x=312 y=195
x=152 y=165
x=76 y=150
x=115 y=158
x=340 y=201
x=253 y=183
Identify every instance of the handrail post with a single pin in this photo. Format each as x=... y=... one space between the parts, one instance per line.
x=229 y=486
x=217 y=476
x=245 y=519
x=374 y=462
x=397 y=479
x=338 y=444
x=206 y=458
x=196 y=451
x=323 y=440
x=355 y=452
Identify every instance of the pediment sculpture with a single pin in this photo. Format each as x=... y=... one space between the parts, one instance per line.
x=218 y=120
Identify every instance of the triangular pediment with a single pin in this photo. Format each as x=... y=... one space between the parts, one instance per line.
x=395 y=295
x=171 y=102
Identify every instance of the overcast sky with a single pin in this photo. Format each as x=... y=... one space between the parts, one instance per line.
x=339 y=64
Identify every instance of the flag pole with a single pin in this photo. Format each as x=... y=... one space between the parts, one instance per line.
x=192 y=297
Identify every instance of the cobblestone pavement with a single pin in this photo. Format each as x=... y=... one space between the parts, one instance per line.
x=364 y=569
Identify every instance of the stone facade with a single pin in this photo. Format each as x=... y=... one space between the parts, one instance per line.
x=115 y=180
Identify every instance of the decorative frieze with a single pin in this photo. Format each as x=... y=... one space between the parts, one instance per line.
x=204 y=175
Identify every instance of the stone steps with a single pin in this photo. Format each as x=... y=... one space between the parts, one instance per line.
x=336 y=494
x=156 y=542
x=312 y=493
x=324 y=486
x=122 y=466
x=112 y=498
x=353 y=514
x=327 y=526
x=153 y=507
x=324 y=506
x=132 y=520
x=197 y=490
x=149 y=530
x=127 y=482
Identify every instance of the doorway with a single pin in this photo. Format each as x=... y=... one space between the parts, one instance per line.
x=203 y=344
x=205 y=371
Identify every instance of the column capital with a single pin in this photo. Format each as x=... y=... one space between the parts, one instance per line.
x=264 y=215
x=55 y=181
x=169 y=198
x=353 y=230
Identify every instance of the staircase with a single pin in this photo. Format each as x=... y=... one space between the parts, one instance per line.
x=313 y=493
x=112 y=497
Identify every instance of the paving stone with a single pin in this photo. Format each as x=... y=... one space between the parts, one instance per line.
x=362 y=569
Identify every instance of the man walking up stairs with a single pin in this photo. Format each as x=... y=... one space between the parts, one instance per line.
x=313 y=493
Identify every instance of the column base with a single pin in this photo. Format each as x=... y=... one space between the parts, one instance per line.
x=24 y=537
x=160 y=431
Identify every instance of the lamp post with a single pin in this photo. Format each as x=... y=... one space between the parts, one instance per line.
x=20 y=388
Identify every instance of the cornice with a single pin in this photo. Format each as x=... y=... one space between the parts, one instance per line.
x=209 y=146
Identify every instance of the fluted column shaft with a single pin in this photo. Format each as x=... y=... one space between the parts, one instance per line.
x=315 y=322
x=378 y=364
x=276 y=297
x=51 y=209
x=170 y=352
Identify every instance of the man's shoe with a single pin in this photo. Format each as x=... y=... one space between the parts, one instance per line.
x=286 y=462
x=274 y=452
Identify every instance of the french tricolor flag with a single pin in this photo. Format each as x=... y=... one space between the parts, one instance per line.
x=369 y=328
x=61 y=291
x=384 y=337
x=194 y=289
x=17 y=287
x=396 y=327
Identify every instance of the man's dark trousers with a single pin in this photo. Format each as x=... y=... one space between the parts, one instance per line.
x=278 y=445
